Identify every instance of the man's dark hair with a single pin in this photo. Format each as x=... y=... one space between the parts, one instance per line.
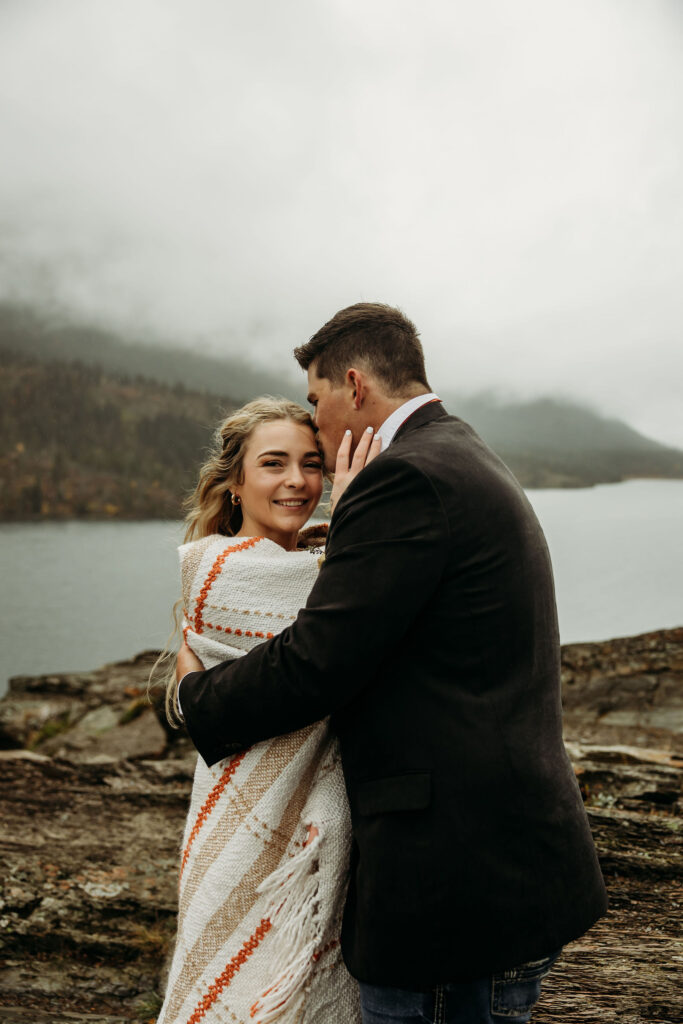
x=371 y=333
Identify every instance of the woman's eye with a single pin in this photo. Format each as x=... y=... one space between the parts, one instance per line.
x=313 y=465
x=274 y=462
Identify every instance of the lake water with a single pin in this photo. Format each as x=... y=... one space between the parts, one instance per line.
x=77 y=595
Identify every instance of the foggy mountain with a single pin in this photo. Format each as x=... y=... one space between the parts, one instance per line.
x=547 y=424
x=94 y=426
x=36 y=334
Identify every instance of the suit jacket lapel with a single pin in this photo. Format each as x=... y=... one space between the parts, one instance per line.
x=425 y=414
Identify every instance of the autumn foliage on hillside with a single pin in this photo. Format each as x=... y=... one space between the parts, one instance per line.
x=78 y=442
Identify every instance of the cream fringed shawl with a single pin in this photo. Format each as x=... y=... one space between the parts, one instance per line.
x=259 y=911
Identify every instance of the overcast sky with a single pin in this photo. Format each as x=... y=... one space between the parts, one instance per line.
x=226 y=175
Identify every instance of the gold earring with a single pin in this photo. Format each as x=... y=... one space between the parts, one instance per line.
x=236 y=500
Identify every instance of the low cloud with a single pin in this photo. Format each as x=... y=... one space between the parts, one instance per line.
x=226 y=176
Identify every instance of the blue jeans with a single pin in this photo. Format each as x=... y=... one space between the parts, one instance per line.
x=509 y=996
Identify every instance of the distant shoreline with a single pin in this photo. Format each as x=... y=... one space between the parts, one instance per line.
x=6 y=520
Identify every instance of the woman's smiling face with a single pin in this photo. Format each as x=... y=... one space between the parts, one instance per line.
x=282 y=481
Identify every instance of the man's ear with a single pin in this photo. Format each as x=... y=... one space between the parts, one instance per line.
x=355 y=380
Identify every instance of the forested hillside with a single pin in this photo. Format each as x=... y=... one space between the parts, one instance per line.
x=78 y=442
x=35 y=333
x=554 y=443
x=81 y=441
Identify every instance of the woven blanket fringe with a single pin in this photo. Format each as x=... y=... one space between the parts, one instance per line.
x=293 y=890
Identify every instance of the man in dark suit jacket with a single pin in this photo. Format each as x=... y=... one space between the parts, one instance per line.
x=431 y=639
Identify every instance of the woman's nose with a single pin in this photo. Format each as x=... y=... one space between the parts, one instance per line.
x=295 y=478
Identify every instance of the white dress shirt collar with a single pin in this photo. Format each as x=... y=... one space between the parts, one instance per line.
x=400 y=415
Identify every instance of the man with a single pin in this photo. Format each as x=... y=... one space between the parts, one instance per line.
x=431 y=639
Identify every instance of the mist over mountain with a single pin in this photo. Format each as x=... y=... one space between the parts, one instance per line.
x=553 y=442
x=94 y=426
x=35 y=333
x=547 y=424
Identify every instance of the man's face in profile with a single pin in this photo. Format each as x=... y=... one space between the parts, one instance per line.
x=332 y=409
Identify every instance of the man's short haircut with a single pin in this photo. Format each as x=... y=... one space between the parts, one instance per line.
x=371 y=334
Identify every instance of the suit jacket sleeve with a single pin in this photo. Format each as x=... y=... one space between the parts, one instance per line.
x=385 y=555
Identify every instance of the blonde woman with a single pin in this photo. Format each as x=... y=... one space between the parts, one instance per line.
x=265 y=851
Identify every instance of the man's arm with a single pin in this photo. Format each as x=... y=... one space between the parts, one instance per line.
x=385 y=555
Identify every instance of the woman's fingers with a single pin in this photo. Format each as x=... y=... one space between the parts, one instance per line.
x=368 y=448
x=375 y=448
x=346 y=468
x=344 y=453
x=312 y=833
x=361 y=453
x=187 y=662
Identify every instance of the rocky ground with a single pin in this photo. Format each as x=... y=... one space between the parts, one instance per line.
x=94 y=792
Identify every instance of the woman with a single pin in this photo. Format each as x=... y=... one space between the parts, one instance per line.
x=266 y=843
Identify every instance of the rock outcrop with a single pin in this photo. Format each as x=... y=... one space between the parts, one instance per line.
x=105 y=715
x=626 y=691
x=94 y=795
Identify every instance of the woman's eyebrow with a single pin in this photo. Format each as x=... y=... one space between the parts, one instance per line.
x=285 y=455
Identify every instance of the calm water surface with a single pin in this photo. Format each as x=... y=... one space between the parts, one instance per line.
x=76 y=595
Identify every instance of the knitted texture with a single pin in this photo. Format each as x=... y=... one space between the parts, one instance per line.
x=259 y=907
